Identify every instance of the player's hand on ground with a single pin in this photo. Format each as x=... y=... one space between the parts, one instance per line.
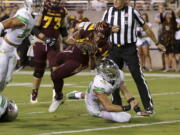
x=134 y=103
x=50 y=41
x=143 y=114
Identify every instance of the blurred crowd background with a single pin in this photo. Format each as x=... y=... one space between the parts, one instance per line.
x=163 y=16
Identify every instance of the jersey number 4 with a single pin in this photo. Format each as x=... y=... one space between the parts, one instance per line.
x=49 y=19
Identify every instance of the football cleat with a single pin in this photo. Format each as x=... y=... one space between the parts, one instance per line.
x=33 y=97
x=72 y=95
x=55 y=105
x=150 y=111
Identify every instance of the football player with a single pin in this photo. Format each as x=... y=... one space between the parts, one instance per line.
x=108 y=78
x=19 y=26
x=47 y=30
x=8 y=110
x=89 y=43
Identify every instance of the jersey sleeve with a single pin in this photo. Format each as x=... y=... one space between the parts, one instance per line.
x=3 y=105
x=23 y=16
x=139 y=18
x=99 y=84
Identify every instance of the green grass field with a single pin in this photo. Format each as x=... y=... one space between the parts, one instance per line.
x=72 y=118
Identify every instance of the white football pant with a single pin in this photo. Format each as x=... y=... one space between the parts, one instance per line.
x=8 y=62
x=97 y=110
x=116 y=116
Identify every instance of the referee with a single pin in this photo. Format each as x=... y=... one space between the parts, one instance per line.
x=124 y=20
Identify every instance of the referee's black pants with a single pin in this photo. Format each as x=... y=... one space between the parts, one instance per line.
x=128 y=54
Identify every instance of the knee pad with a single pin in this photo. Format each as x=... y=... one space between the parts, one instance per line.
x=38 y=73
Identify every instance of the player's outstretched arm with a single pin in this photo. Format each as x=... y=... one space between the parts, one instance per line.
x=150 y=33
x=103 y=98
x=11 y=23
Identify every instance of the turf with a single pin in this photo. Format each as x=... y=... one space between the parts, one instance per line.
x=72 y=116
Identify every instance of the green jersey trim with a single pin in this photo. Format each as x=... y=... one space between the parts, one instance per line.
x=3 y=102
x=22 y=19
x=98 y=89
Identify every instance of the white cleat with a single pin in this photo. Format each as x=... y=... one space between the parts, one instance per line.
x=33 y=101
x=55 y=105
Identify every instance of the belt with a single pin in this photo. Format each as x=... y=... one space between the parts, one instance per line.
x=10 y=43
x=124 y=45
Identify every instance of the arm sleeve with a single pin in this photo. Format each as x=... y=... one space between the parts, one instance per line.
x=138 y=17
x=35 y=30
x=99 y=84
x=22 y=16
x=63 y=31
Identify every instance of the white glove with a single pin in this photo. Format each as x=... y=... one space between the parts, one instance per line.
x=1 y=28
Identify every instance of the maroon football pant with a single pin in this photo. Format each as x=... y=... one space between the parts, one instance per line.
x=42 y=53
x=68 y=62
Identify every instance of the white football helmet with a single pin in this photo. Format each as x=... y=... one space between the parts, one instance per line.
x=34 y=6
x=108 y=70
x=11 y=112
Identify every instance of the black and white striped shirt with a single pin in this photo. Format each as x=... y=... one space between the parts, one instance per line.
x=127 y=18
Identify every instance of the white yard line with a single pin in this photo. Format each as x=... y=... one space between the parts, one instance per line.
x=71 y=100
x=36 y=113
x=93 y=73
x=26 y=84
x=115 y=127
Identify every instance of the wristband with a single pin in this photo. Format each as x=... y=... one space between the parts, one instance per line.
x=130 y=100
x=137 y=109
x=126 y=108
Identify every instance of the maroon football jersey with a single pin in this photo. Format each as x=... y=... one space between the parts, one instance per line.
x=52 y=21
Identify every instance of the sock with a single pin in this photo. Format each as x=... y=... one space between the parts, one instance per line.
x=78 y=95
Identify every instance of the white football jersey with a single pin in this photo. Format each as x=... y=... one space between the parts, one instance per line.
x=3 y=105
x=17 y=35
x=99 y=85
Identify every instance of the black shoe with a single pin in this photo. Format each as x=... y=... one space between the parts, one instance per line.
x=150 y=111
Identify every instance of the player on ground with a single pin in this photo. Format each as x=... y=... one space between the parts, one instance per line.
x=108 y=78
x=8 y=110
x=19 y=27
x=50 y=26
x=88 y=43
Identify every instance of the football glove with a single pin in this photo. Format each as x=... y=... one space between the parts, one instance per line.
x=50 y=41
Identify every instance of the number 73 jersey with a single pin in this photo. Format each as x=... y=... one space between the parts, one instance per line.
x=52 y=21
